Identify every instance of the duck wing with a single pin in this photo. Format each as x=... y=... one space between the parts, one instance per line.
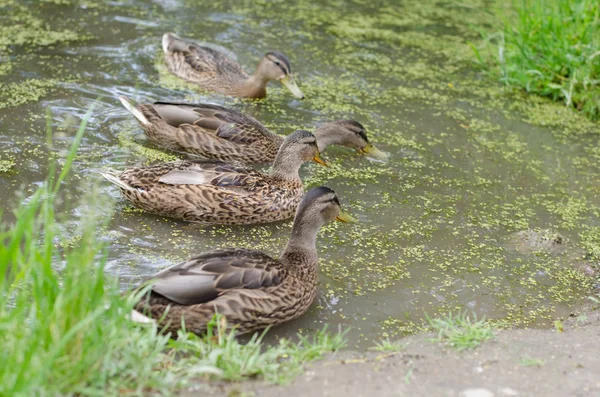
x=209 y=61
x=225 y=123
x=208 y=275
x=215 y=173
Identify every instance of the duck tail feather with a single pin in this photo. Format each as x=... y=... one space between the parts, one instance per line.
x=116 y=180
x=133 y=109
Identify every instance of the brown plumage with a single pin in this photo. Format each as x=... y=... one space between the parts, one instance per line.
x=220 y=133
x=221 y=193
x=215 y=71
x=249 y=288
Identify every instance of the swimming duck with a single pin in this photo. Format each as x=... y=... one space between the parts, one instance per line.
x=215 y=71
x=220 y=133
x=249 y=288
x=222 y=193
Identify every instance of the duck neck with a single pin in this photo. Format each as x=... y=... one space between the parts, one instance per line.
x=286 y=166
x=302 y=246
x=325 y=136
x=255 y=86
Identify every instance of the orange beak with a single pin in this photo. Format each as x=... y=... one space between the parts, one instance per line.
x=319 y=160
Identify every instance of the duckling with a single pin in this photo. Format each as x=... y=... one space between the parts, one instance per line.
x=220 y=133
x=221 y=193
x=215 y=71
x=248 y=287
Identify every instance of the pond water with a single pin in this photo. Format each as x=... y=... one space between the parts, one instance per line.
x=489 y=201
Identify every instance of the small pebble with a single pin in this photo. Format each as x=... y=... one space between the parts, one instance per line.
x=507 y=391
x=480 y=392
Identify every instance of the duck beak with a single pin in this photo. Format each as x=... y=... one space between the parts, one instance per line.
x=317 y=159
x=344 y=217
x=291 y=85
x=374 y=152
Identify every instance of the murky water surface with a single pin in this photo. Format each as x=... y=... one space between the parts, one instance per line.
x=489 y=202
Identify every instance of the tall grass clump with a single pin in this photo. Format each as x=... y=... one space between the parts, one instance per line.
x=64 y=326
x=65 y=332
x=551 y=48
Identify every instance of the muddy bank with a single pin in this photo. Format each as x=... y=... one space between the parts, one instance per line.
x=516 y=363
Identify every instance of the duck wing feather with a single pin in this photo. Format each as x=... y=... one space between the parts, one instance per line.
x=214 y=173
x=210 y=274
x=225 y=123
x=209 y=61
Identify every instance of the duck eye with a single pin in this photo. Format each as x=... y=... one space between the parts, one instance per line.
x=277 y=63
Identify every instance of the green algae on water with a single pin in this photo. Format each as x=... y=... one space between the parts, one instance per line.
x=31 y=90
x=27 y=27
x=7 y=165
x=126 y=141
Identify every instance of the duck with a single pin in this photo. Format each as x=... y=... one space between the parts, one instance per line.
x=249 y=288
x=215 y=71
x=215 y=192
x=220 y=133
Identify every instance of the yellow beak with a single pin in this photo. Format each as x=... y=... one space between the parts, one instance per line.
x=344 y=217
x=291 y=85
x=374 y=152
x=319 y=160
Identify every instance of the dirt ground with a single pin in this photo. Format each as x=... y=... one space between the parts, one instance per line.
x=516 y=363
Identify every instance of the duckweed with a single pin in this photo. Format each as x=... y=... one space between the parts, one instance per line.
x=25 y=28
x=126 y=141
x=7 y=165
x=30 y=90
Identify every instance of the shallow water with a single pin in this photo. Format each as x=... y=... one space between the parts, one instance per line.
x=470 y=167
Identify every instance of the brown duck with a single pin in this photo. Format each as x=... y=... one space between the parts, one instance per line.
x=215 y=71
x=220 y=133
x=248 y=287
x=221 y=193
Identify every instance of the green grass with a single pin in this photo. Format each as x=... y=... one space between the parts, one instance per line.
x=551 y=48
x=531 y=362
x=63 y=322
x=460 y=332
x=66 y=332
x=596 y=301
x=219 y=355
x=388 y=346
